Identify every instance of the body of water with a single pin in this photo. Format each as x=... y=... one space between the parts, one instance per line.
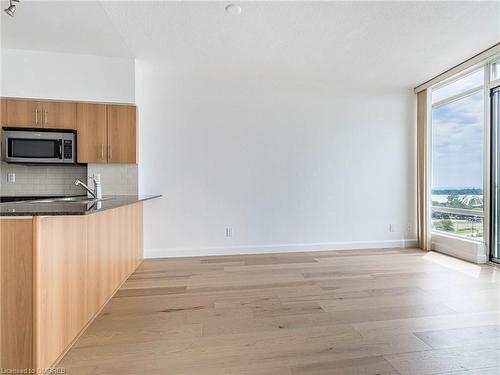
x=443 y=198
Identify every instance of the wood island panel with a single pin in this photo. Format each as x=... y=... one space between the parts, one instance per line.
x=16 y=293
x=61 y=312
x=57 y=273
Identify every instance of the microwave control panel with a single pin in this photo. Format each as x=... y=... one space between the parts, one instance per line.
x=68 y=149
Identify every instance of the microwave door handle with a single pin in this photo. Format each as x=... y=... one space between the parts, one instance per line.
x=60 y=149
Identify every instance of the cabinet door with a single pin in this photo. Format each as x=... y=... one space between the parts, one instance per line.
x=59 y=115
x=3 y=111
x=22 y=113
x=92 y=143
x=121 y=134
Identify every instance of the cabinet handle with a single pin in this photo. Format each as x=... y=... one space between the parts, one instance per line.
x=102 y=151
x=45 y=117
x=110 y=151
x=36 y=117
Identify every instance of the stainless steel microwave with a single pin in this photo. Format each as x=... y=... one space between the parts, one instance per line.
x=40 y=146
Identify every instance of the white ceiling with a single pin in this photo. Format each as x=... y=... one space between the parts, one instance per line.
x=62 y=26
x=392 y=43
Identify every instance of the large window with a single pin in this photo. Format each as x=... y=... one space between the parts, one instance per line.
x=457 y=121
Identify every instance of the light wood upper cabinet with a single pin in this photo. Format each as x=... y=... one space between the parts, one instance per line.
x=92 y=133
x=58 y=115
x=22 y=113
x=25 y=113
x=106 y=133
x=121 y=134
x=3 y=111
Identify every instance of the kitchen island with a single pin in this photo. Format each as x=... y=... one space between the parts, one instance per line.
x=60 y=263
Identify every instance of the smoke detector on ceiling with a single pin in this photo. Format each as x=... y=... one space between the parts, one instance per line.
x=233 y=9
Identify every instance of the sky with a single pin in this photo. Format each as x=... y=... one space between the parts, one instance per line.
x=457 y=138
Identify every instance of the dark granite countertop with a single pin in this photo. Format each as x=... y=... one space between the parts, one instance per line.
x=26 y=208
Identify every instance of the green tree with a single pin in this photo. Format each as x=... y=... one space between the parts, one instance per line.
x=454 y=201
x=445 y=225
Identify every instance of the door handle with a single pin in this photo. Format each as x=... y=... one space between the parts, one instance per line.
x=102 y=150
x=36 y=117
x=110 y=152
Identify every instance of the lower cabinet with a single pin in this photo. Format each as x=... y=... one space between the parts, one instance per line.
x=73 y=268
x=60 y=284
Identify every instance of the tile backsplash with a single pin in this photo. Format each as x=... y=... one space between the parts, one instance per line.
x=116 y=179
x=41 y=179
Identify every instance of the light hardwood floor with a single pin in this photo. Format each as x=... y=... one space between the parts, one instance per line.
x=337 y=313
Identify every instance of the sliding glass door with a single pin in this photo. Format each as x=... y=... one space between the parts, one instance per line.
x=495 y=130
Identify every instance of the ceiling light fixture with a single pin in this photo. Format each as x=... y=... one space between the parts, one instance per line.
x=233 y=9
x=12 y=8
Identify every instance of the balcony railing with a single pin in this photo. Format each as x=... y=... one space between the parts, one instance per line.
x=459 y=211
x=463 y=222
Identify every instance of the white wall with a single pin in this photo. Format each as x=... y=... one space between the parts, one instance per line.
x=288 y=164
x=50 y=75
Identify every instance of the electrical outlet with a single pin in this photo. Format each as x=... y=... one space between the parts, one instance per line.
x=11 y=178
x=408 y=228
x=392 y=228
x=229 y=232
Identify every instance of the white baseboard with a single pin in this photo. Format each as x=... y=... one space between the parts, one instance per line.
x=276 y=248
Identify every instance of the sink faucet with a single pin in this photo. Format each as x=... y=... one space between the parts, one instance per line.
x=97 y=192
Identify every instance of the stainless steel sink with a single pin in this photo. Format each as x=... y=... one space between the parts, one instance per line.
x=81 y=200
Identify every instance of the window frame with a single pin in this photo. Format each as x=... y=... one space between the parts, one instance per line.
x=454 y=79
x=492 y=63
x=484 y=214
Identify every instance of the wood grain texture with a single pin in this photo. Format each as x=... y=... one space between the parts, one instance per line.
x=106 y=133
x=59 y=115
x=114 y=251
x=23 y=113
x=38 y=113
x=3 y=111
x=61 y=266
x=361 y=312
x=16 y=293
x=92 y=131
x=80 y=263
x=121 y=133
